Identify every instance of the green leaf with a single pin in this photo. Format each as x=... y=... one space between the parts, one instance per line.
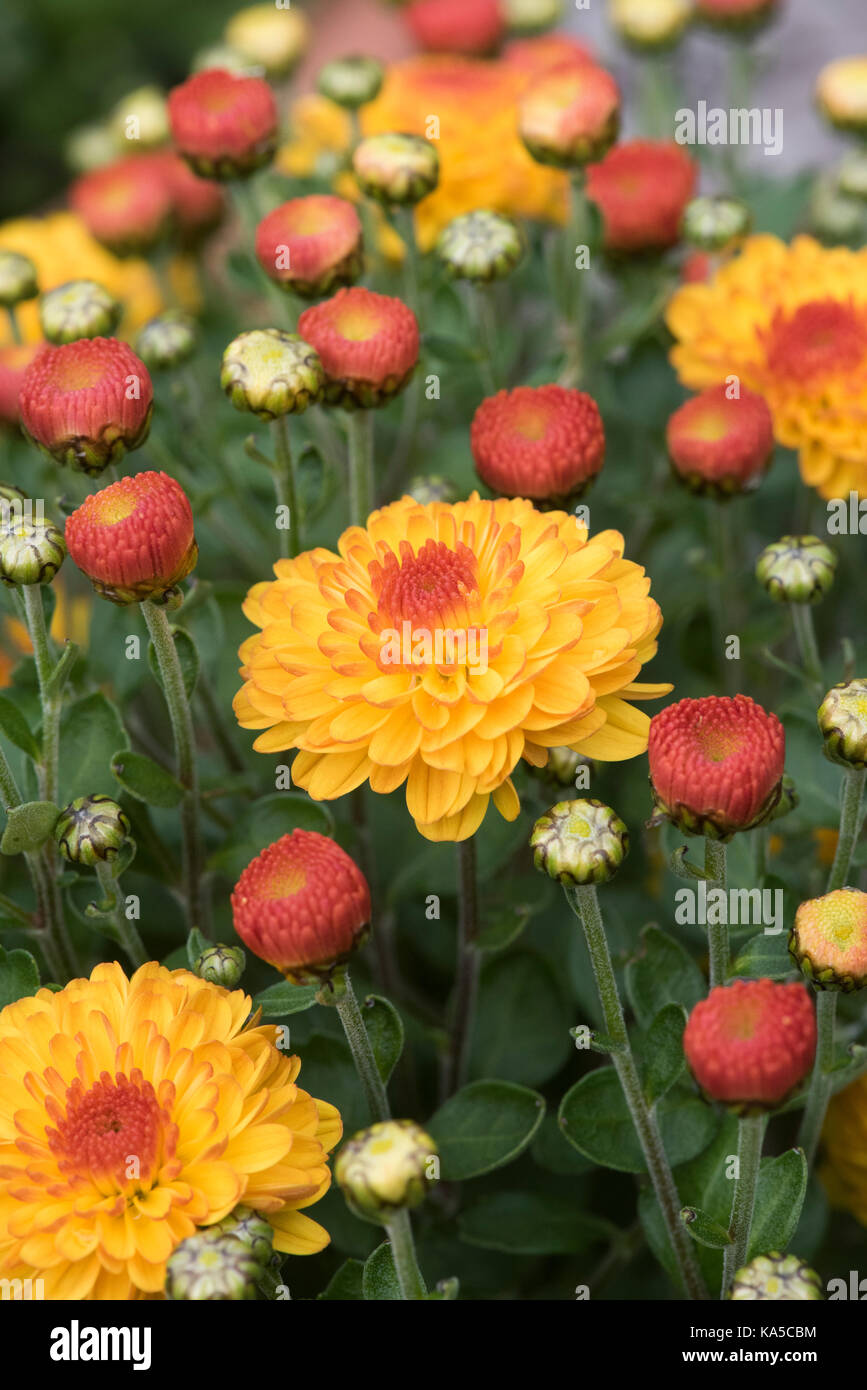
x=503 y=926
x=19 y=976
x=663 y=1051
x=522 y=1024
x=91 y=732
x=552 y=1150
x=595 y=1118
x=28 y=826
x=15 y=727
x=145 y=779
x=662 y=973
x=532 y=1223
x=283 y=998
x=197 y=942
x=282 y=812
x=704 y=1230
x=384 y=1027
x=763 y=956
x=780 y=1196
x=188 y=656
x=346 y=1284
x=450 y=349
x=379 y=1281
x=484 y=1126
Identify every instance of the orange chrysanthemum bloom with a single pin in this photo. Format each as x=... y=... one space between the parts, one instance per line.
x=127 y=204
x=311 y=245
x=163 y=1067
x=134 y=539
x=224 y=125
x=368 y=344
x=791 y=323
x=535 y=56
x=542 y=442
x=443 y=644
x=456 y=26
x=492 y=170
x=641 y=188
x=721 y=444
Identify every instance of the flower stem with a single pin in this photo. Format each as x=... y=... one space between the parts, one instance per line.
x=585 y=905
x=467 y=968
x=399 y=1232
x=850 y=818
x=405 y=226
x=127 y=932
x=181 y=718
x=575 y=299
x=14 y=325
x=805 y=634
x=284 y=486
x=346 y=1004
x=359 y=431
x=486 y=330
x=820 y=1082
x=718 y=933
x=751 y=1133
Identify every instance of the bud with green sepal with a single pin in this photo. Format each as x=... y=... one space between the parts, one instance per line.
x=352 y=81
x=386 y=1169
x=828 y=940
x=212 y=1268
x=31 y=549
x=797 y=569
x=715 y=223
x=166 y=341
x=271 y=373
x=527 y=17
x=842 y=720
x=776 y=1277
x=221 y=965
x=579 y=842
x=252 y=1229
x=789 y=798
x=92 y=830
x=481 y=246
x=396 y=169
x=17 y=279
x=650 y=25
x=78 y=309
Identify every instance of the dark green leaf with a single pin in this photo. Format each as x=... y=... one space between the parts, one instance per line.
x=282 y=812
x=19 y=976
x=379 y=1280
x=145 y=779
x=779 y=1199
x=450 y=349
x=595 y=1118
x=385 y=1029
x=532 y=1223
x=501 y=928
x=764 y=955
x=283 y=998
x=28 y=826
x=662 y=973
x=484 y=1126
x=522 y=1026
x=663 y=1051
x=704 y=1230
x=346 y=1284
x=91 y=732
x=197 y=942
x=15 y=727
x=188 y=656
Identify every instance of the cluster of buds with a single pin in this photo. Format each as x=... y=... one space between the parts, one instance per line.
x=797 y=569
x=271 y=373
x=386 y=1169
x=92 y=830
x=778 y=1278
x=578 y=843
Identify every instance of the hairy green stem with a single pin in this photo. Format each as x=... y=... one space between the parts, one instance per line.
x=409 y=1277
x=805 y=634
x=486 y=330
x=751 y=1133
x=850 y=820
x=718 y=932
x=127 y=932
x=284 y=486
x=820 y=1082
x=372 y=1084
x=467 y=988
x=359 y=432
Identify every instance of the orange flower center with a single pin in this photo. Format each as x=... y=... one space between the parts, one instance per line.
x=532 y=424
x=77 y=373
x=430 y=589
x=113 y=1129
x=356 y=322
x=717 y=744
x=818 y=339
x=285 y=882
x=110 y=507
x=711 y=426
x=741 y=1023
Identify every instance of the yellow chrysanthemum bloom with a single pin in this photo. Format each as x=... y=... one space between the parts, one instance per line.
x=317 y=127
x=483 y=162
x=845 y=1141
x=790 y=322
x=442 y=645
x=133 y=1112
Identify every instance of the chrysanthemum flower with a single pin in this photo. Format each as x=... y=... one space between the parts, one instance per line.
x=311 y=245
x=650 y=24
x=303 y=905
x=396 y=169
x=125 y=205
x=542 y=442
x=641 y=188
x=736 y=14
x=134 y=539
x=224 y=125
x=273 y=37
x=716 y=764
x=844 y=1139
x=14 y=361
x=829 y=939
x=750 y=1043
x=570 y=115
x=841 y=93
x=443 y=644
x=791 y=323
x=456 y=26
x=531 y=57
x=368 y=344
x=198 y=205
x=721 y=444
x=87 y=403
x=163 y=1069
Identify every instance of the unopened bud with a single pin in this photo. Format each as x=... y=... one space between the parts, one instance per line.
x=797 y=569
x=212 y=1268
x=31 y=550
x=221 y=965
x=776 y=1277
x=91 y=830
x=579 y=842
x=386 y=1169
x=842 y=722
x=78 y=309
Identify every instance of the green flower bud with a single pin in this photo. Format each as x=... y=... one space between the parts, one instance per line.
x=480 y=246
x=562 y=767
x=712 y=224
x=433 y=488
x=386 y=1169
x=166 y=341
x=776 y=1277
x=31 y=548
x=532 y=16
x=17 y=279
x=396 y=169
x=797 y=569
x=78 y=309
x=89 y=147
x=221 y=965
x=833 y=214
x=579 y=842
x=650 y=24
x=252 y=1229
x=140 y=121
x=789 y=798
x=352 y=81
x=842 y=722
x=272 y=373
x=852 y=175
x=212 y=1268
x=91 y=830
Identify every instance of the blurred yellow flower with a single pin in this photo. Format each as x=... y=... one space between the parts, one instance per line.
x=845 y=1139
x=317 y=127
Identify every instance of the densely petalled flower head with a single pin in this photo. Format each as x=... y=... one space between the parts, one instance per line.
x=167 y=341
x=651 y=24
x=842 y=722
x=570 y=116
x=31 y=548
x=302 y=905
x=212 y=1267
x=841 y=92
x=780 y=1278
x=642 y=188
x=273 y=37
x=395 y=168
x=198 y=205
x=736 y=14
x=797 y=569
x=715 y=223
x=481 y=246
x=716 y=764
x=225 y=126
x=134 y=539
x=829 y=940
x=15 y=358
x=368 y=344
x=721 y=445
x=272 y=373
x=126 y=205
x=352 y=81
x=162 y=1066
x=140 y=120
x=311 y=245
x=579 y=842
x=251 y=1228
x=456 y=26
x=17 y=279
x=791 y=323
x=221 y=965
x=91 y=830
x=87 y=403
x=432 y=487
x=527 y=17
x=442 y=645
x=542 y=442
x=751 y=1043
x=78 y=309
x=844 y=1139
x=386 y=1169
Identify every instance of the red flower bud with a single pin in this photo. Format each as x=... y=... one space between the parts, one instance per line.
x=87 y=403
x=224 y=125
x=719 y=445
x=456 y=26
x=311 y=245
x=542 y=442
x=642 y=188
x=368 y=344
x=570 y=115
x=134 y=540
x=14 y=361
x=126 y=205
x=198 y=204
x=750 y=1043
x=302 y=905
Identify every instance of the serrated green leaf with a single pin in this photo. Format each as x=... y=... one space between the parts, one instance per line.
x=596 y=1119
x=384 y=1027
x=379 y=1281
x=283 y=998
x=780 y=1194
x=28 y=826
x=484 y=1126
x=146 y=780
x=15 y=727
x=532 y=1223
x=188 y=657
x=19 y=976
x=704 y=1230
x=662 y=973
x=663 y=1051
